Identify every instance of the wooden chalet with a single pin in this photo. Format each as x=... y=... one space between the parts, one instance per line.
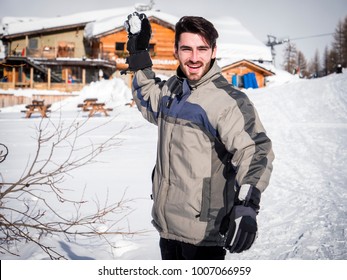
x=236 y=72
x=111 y=44
x=53 y=56
x=63 y=54
x=78 y=49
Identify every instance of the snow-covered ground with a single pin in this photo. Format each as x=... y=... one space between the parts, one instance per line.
x=303 y=211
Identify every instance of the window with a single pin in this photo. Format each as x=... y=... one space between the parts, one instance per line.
x=33 y=43
x=66 y=49
x=120 y=46
x=151 y=49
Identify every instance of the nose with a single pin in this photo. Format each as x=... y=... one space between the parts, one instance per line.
x=194 y=56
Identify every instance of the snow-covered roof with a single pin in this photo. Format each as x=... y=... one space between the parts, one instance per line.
x=266 y=65
x=105 y=25
x=235 y=41
x=12 y=26
x=2 y=50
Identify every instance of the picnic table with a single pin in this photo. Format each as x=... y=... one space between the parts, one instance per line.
x=131 y=103
x=37 y=106
x=87 y=104
x=91 y=105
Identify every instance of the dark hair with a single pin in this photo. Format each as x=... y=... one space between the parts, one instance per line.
x=196 y=25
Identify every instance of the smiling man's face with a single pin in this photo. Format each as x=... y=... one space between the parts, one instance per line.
x=194 y=55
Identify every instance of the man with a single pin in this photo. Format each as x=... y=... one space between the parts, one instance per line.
x=213 y=158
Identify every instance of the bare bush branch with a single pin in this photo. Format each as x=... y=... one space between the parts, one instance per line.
x=28 y=207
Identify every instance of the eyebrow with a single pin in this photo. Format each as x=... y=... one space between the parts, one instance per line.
x=203 y=47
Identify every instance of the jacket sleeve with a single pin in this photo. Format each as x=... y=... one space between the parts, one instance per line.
x=245 y=138
x=147 y=91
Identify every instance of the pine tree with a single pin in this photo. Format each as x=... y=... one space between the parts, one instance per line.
x=325 y=61
x=332 y=60
x=315 y=66
x=301 y=64
x=339 y=44
x=290 y=58
x=344 y=42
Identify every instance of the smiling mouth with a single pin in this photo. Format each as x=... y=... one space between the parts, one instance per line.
x=194 y=67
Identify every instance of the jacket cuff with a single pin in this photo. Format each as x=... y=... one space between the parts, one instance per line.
x=250 y=196
x=139 y=60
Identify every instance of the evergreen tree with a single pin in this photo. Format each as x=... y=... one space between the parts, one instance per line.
x=332 y=61
x=315 y=66
x=344 y=42
x=301 y=65
x=325 y=61
x=290 y=58
x=340 y=43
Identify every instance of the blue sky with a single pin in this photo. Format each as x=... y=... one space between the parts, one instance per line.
x=303 y=21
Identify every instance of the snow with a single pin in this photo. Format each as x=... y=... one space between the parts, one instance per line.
x=303 y=211
x=107 y=24
x=20 y=25
x=236 y=42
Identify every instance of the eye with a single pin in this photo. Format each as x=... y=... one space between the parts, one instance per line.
x=203 y=49
x=185 y=49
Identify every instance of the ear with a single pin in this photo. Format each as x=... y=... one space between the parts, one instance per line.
x=214 y=52
x=176 y=53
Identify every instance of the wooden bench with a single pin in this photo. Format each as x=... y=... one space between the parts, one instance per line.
x=37 y=106
x=87 y=104
x=99 y=107
x=131 y=103
x=22 y=84
x=92 y=106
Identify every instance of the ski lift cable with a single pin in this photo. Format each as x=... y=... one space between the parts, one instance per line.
x=272 y=40
x=311 y=36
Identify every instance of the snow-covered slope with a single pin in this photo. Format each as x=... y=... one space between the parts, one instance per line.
x=303 y=211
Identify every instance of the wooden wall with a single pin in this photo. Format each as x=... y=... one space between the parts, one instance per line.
x=62 y=87
x=244 y=67
x=49 y=43
x=8 y=99
x=162 y=56
x=242 y=70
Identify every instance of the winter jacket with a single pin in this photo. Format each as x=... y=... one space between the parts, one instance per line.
x=210 y=142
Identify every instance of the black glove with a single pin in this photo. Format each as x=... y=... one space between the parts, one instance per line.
x=139 y=33
x=239 y=228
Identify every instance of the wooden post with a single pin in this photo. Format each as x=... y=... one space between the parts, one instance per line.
x=26 y=45
x=130 y=79
x=31 y=77
x=66 y=76
x=83 y=76
x=14 y=77
x=49 y=78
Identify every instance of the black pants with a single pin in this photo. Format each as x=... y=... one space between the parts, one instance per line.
x=176 y=250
